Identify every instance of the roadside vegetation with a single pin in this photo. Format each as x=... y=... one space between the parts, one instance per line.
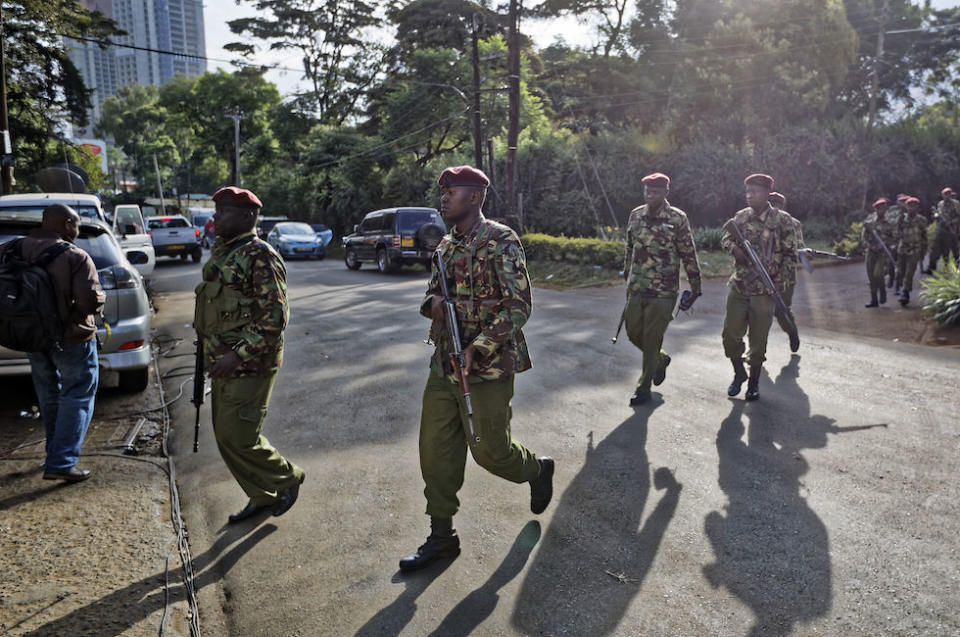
x=941 y=294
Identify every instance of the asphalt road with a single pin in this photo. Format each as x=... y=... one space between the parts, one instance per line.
x=828 y=507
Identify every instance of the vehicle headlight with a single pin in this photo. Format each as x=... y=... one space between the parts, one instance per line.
x=118 y=277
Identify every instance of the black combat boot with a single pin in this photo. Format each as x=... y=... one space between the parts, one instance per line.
x=883 y=295
x=639 y=397
x=904 y=299
x=794 y=341
x=541 y=487
x=753 y=384
x=442 y=543
x=873 y=299
x=739 y=375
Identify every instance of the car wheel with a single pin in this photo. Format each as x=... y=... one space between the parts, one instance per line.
x=350 y=258
x=183 y=256
x=135 y=380
x=383 y=261
x=429 y=236
x=197 y=255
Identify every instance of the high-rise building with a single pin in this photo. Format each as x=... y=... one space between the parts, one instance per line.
x=161 y=25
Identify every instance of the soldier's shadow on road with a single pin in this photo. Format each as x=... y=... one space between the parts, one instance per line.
x=596 y=553
x=772 y=550
x=116 y=613
x=393 y=618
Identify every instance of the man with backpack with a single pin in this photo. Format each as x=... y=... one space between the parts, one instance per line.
x=62 y=349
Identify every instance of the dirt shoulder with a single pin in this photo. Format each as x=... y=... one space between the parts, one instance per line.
x=97 y=557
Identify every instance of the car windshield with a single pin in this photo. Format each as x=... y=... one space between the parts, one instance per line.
x=294 y=228
x=158 y=223
x=87 y=212
x=99 y=245
x=413 y=219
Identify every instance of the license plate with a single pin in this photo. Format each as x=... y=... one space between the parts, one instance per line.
x=179 y=247
x=303 y=249
x=406 y=243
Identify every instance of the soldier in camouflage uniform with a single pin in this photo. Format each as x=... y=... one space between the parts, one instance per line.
x=912 y=247
x=779 y=202
x=894 y=219
x=490 y=287
x=750 y=306
x=658 y=242
x=240 y=316
x=945 y=241
x=877 y=260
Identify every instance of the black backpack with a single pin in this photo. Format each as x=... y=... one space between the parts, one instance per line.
x=29 y=318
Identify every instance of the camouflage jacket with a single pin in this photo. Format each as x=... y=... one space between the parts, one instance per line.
x=790 y=276
x=949 y=213
x=773 y=236
x=657 y=243
x=868 y=241
x=490 y=288
x=242 y=304
x=890 y=228
x=913 y=235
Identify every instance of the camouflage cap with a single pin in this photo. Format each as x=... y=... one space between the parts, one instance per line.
x=777 y=199
x=240 y=197
x=656 y=180
x=882 y=201
x=463 y=176
x=759 y=179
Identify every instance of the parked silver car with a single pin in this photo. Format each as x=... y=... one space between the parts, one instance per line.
x=124 y=332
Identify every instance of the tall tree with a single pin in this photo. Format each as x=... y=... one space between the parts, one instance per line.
x=334 y=37
x=609 y=16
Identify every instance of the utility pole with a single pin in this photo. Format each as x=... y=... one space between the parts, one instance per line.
x=6 y=161
x=875 y=72
x=513 y=130
x=156 y=167
x=477 y=126
x=236 y=116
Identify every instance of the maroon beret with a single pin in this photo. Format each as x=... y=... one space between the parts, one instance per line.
x=759 y=179
x=902 y=197
x=947 y=191
x=911 y=200
x=463 y=176
x=656 y=180
x=240 y=197
x=882 y=201
x=777 y=199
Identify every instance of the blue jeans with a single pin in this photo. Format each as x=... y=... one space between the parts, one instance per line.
x=66 y=384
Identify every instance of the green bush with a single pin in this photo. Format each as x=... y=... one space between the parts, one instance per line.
x=941 y=294
x=850 y=246
x=543 y=247
x=708 y=238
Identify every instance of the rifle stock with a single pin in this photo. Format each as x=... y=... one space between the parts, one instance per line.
x=457 y=357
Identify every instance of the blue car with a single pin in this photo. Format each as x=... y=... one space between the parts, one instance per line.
x=325 y=233
x=296 y=239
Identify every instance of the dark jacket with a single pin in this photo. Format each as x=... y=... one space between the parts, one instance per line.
x=75 y=283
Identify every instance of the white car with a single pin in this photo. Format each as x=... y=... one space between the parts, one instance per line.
x=31 y=204
x=131 y=232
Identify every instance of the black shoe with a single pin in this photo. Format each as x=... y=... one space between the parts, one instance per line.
x=73 y=474
x=904 y=299
x=883 y=295
x=246 y=513
x=541 y=487
x=639 y=398
x=661 y=374
x=442 y=543
x=794 y=341
x=928 y=271
x=287 y=497
x=873 y=300
x=739 y=375
x=753 y=384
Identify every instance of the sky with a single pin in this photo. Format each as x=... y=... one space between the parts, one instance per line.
x=218 y=12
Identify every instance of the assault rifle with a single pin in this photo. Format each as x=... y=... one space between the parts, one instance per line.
x=806 y=253
x=886 y=250
x=199 y=387
x=764 y=277
x=453 y=335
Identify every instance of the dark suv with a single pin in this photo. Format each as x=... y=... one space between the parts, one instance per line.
x=393 y=238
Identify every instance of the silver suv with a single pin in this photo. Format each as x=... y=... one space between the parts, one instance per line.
x=124 y=332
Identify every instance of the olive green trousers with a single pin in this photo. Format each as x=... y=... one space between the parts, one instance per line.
x=787 y=296
x=906 y=267
x=445 y=433
x=239 y=406
x=646 y=321
x=750 y=315
x=876 y=263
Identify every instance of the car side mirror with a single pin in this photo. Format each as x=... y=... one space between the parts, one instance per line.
x=356 y=228
x=137 y=257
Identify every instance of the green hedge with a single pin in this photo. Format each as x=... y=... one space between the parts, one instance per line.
x=544 y=247
x=941 y=294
